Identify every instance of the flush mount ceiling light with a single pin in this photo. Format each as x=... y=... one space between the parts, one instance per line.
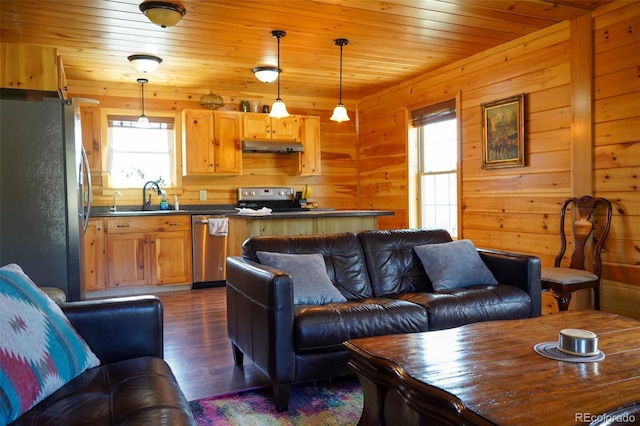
x=145 y=63
x=163 y=13
x=211 y=101
x=143 y=121
x=340 y=112
x=278 y=109
x=266 y=74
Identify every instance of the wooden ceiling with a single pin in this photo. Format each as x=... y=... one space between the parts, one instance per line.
x=217 y=43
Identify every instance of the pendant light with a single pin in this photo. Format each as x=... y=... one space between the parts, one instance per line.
x=340 y=112
x=143 y=121
x=278 y=109
x=266 y=74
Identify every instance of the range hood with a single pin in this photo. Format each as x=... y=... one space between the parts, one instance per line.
x=271 y=145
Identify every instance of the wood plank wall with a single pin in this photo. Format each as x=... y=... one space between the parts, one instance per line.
x=517 y=209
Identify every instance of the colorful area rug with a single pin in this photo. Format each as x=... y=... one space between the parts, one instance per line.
x=335 y=403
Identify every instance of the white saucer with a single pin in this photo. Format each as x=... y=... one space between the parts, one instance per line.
x=550 y=350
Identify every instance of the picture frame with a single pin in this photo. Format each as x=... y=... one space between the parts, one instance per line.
x=503 y=133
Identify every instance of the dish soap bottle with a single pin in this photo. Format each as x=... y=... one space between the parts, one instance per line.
x=164 y=204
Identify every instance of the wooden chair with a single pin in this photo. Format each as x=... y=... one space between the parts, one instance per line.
x=564 y=281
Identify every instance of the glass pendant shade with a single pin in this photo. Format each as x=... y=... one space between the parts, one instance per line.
x=162 y=13
x=266 y=74
x=143 y=121
x=340 y=114
x=145 y=63
x=278 y=109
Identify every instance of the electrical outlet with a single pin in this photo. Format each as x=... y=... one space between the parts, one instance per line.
x=203 y=194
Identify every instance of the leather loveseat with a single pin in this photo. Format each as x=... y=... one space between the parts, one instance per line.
x=387 y=291
x=132 y=384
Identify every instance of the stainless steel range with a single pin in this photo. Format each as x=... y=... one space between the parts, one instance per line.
x=278 y=199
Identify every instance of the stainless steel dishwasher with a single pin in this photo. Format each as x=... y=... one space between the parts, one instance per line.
x=209 y=252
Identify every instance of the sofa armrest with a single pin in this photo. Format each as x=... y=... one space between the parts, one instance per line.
x=120 y=328
x=518 y=270
x=260 y=316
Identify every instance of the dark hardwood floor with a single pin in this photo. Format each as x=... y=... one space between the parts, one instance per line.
x=196 y=344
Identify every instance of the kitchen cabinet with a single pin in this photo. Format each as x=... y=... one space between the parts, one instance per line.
x=94 y=271
x=143 y=251
x=261 y=126
x=29 y=67
x=307 y=163
x=91 y=137
x=211 y=143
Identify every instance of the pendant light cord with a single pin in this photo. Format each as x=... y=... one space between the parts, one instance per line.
x=341 y=44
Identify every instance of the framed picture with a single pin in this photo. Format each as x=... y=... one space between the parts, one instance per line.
x=503 y=133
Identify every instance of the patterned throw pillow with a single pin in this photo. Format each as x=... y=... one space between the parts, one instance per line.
x=40 y=351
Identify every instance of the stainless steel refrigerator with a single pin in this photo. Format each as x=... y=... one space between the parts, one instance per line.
x=45 y=191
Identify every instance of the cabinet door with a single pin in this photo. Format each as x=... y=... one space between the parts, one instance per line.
x=63 y=88
x=170 y=253
x=128 y=260
x=94 y=269
x=29 y=67
x=227 y=149
x=285 y=129
x=256 y=126
x=198 y=142
x=308 y=162
x=91 y=136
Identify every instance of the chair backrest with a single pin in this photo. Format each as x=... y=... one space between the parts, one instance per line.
x=583 y=226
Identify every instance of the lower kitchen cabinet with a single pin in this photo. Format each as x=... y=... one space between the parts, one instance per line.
x=94 y=271
x=154 y=250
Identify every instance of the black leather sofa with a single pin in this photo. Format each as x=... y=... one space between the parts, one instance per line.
x=132 y=386
x=387 y=292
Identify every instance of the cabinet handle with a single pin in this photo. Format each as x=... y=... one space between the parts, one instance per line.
x=174 y=224
x=122 y=226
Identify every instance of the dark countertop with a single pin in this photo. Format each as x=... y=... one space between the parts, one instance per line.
x=316 y=213
x=229 y=211
x=126 y=211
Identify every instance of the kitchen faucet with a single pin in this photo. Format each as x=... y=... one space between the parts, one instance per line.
x=146 y=204
x=114 y=208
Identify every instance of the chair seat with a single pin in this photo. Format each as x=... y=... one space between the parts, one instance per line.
x=566 y=275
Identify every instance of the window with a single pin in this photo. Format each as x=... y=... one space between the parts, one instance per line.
x=437 y=146
x=137 y=155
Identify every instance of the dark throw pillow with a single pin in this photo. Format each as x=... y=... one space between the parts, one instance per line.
x=311 y=285
x=454 y=265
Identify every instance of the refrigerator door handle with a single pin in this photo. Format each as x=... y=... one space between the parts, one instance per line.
x=86 y=172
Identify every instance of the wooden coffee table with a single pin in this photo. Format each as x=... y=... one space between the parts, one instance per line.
x=488 y=373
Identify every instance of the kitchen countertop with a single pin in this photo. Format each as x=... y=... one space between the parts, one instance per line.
x=314 y=213
x=229 y=211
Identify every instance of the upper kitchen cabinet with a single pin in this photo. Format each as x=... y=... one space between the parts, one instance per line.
x=307 y=163
x=211 y=143
x=261 y=126
x=91 y=136
x=32 y=68
x=227 y=150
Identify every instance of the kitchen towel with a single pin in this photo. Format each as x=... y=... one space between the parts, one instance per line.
x=218 y=227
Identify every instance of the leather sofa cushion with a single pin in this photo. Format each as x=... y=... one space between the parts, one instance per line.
x=140 y=391
x=342 y=254
x=453 y=308
x=319 y=328
x=394 y=267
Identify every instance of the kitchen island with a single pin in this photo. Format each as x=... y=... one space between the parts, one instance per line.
x=243 y=226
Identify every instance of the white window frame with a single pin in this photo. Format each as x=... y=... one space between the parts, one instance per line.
x=415 y=172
